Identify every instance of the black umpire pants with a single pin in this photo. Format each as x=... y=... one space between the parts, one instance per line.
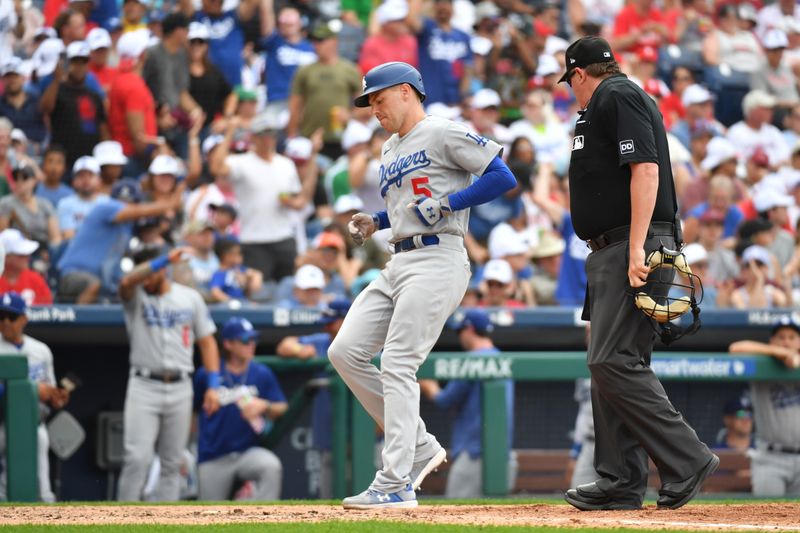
x=633 y=417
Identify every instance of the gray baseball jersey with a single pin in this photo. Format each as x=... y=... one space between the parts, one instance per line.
x=776 y=408
x=436 y=158
x=162 y=329
x=40 y=358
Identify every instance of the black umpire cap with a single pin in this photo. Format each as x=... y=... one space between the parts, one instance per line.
x=586 y=51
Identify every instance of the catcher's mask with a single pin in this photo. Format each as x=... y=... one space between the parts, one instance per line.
x=662 y=307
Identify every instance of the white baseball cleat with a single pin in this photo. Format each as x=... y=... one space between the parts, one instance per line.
x=421 y=469
x=375 y=499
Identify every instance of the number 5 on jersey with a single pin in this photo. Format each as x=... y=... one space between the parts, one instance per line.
x=418 y=185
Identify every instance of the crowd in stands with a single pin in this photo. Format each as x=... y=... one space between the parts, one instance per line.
x=228 y=126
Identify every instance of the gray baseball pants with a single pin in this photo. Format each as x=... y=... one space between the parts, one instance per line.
x=465 y=477
x=157 y=420
x=774 y=474
x=216 y=478
x=403 y=311
x=584 y=466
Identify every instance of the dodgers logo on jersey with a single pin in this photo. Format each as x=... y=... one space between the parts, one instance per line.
x=165 y=318
x=394 y=172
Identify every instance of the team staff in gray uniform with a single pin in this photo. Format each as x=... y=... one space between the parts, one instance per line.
x=40 y=371
x=581 y=468
x=622 y=201
x=775 y=464
x=164 y=320
x=425 y=175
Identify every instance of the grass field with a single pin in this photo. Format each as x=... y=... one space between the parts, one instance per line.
x=432 y=516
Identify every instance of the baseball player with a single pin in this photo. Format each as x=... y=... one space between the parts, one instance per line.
x=775 y=464
x=425 y=180
x=40 y=371
x=164 y=320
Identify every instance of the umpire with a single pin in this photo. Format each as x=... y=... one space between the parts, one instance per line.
x=620 y=163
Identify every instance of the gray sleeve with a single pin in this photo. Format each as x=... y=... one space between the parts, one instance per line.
x=6 y=207
x=465 y=149
x=203 y=323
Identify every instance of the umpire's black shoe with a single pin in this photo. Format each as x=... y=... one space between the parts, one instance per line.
x=589 y=497
x=677 y=494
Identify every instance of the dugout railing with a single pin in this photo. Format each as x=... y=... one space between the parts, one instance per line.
x=353 y=437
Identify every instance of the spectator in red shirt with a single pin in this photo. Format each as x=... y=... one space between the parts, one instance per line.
x=99 y=43
x=18 y=276
x=639 y=24
x=671 y=105
x=393 y=41
x=132 y=110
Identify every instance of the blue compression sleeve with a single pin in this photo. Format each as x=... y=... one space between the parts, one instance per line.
x=381 y=219
x=496 y=180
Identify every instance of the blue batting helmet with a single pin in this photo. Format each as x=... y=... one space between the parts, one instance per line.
x=389 y=75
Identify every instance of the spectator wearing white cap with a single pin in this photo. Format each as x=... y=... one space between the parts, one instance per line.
x=303 y=153
x=35 y=217
x=775 y=77
x=285 y=50
x=99 y=42
x=697 y=258
x=485 y=117
x=74 y=209
x=112 y=160
x=355 y=141
x=17 y=274
x=777 y=15
x=392 y=40
x=161 y=182
x=308 y=284
x=498 y=285
x=756 y=131
x=698 y=104
x=541 y=126
x=773 y=205
x=758 y=291
x=76 y=112
x=506 y=242
x=199 y=203
x=132 y=109
x=268 y=188
x=19 y=105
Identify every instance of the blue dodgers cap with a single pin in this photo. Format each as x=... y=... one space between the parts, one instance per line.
x=240 y=329
x=784 y=322
x=741 y=407
x=12 y=302
x=127 y=190
x=334 y=311
x=478 y=319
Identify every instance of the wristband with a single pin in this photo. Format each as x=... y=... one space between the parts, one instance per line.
x=213 y=380
x=159 y=263
x=381 y=220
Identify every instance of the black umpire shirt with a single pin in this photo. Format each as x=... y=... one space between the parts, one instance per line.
x=621 y=125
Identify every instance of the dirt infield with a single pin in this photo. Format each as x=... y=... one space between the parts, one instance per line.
x=766 y=516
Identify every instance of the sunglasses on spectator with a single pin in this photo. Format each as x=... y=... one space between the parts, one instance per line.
x=198 y=41
x=22 y=175
x=682 y=78
x=5 y=315
x=247 y=340
x=493 y=283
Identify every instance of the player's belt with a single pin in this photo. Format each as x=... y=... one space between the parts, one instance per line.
x=622 y=233
x=780 y=448
x=164 y=377
x=417 y=241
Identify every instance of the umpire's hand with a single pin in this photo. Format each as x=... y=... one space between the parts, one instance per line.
x=637 y=269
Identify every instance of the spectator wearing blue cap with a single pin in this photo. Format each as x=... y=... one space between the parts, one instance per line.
x=315 y=346
x=775 y=463
x=250 y=400
x=91 y=261
x=40 y=371
x=465 y=479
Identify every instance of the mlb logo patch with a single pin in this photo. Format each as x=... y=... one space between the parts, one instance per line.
x=606 y=54
x=626 y=147
x=577 y=143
